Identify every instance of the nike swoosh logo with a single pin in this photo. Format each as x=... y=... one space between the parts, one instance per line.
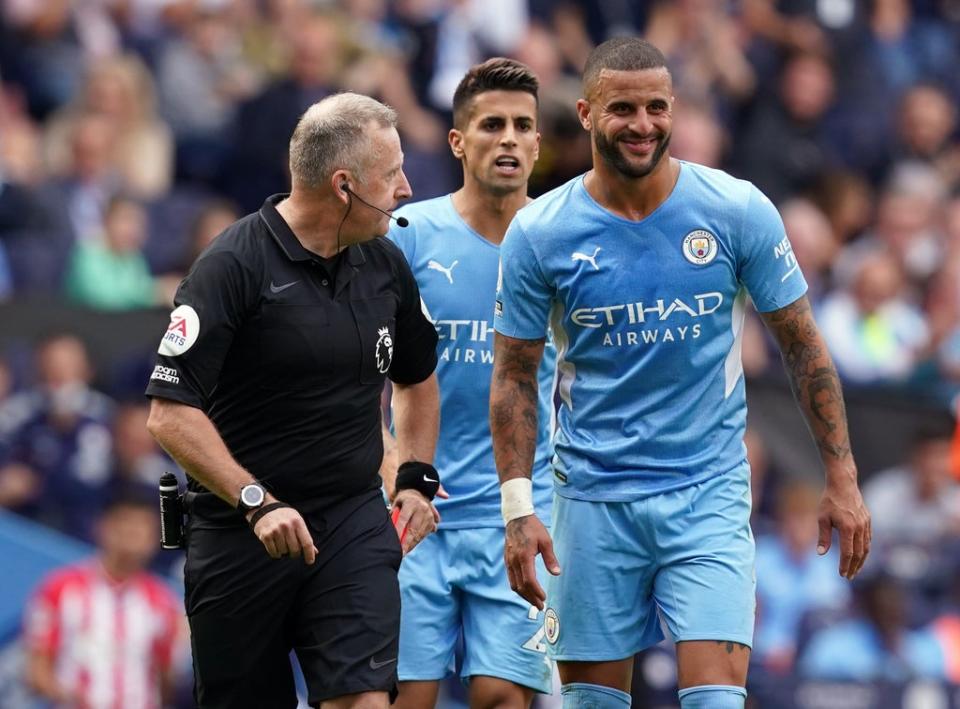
x=374 y=665
x=429 y=480
x=279 y=289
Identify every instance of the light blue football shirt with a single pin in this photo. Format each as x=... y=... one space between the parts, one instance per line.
x=456 y=270
x=647 y=318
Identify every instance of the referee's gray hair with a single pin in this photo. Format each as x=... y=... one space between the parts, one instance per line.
x=332 y=134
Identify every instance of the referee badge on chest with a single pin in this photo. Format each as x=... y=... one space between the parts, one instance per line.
x=700 y=247
x=384 y=350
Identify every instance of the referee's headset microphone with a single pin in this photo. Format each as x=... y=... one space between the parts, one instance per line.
x=401 y=221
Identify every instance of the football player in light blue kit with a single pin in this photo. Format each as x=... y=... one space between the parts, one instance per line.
x=642 y=267
x=455 y=582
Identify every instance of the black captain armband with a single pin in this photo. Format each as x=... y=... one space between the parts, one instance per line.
x=421 y=477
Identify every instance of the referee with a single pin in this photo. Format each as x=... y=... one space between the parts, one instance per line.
x=267 y=390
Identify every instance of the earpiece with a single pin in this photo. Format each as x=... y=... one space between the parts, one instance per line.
x=345 y=188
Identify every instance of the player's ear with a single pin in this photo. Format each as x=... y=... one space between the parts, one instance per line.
x=583 y=113
x=536 y=149
x=455 y=139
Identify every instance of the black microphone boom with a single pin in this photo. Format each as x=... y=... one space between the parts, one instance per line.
x=401 y=221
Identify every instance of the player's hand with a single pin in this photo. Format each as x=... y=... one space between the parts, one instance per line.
x=284 y=533
x=414 y=517
x=524 y=538
x=842 y=507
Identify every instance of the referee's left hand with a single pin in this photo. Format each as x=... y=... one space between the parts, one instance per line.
x=417 y=516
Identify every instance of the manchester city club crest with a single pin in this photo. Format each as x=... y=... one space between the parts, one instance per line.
x=700 y=247
x=551 y=626
x=384 y=352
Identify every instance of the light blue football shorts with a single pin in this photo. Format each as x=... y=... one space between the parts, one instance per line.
x=685 y=556
x=455 y=582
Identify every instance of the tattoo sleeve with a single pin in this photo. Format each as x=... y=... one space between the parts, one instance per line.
x=813 y=379
x=513 y=404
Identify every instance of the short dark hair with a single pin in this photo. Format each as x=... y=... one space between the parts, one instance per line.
x=497 y=74
x=621 y=54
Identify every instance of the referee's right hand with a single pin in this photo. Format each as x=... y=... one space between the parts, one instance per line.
x=284 y=533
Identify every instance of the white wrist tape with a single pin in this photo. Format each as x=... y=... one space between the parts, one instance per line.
x=516 y=498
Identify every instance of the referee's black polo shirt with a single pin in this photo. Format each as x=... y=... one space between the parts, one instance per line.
x=289 y=361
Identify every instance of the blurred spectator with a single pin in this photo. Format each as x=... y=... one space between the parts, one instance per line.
x=786 y=143
x=201 y=76
x=792 y=579
x=20 y=159
x=44 y=54
x=907 y=49
x=213 y=218
x=55 y=443
x=697 y=136
x=908 y=224
x=33 y=232
x=539 y=51
x=846 y=199
x=919 y=501
x=859 y=118
x=813 y=242
x=572 y=24
x=873 y=331
x=926 y=127
x=701 y=42
x=138 y=460
x=112 y=273
x=467 y=31
x=581 y=24
x=564 y=145
x=258 y=153
x=105 y=632
x=92 y=180
x=371 y=69
x=877 y=644
x=791 y=26
x=120 y=91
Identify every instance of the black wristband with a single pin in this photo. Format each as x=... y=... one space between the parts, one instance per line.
x=266 y=509
x=421 y=477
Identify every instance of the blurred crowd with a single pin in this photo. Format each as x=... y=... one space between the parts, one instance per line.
x=133 y=131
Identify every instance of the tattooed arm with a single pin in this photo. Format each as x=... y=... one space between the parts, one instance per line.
x=816 y=387
x=513 y=425
x=513 y=405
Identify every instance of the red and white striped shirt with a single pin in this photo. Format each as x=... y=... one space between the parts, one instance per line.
x=109 y=641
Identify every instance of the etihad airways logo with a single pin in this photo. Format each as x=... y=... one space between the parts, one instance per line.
x=475 y=330
x=640 y=312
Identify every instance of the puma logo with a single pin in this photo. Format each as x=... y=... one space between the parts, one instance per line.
x=437 y=266
x=592 y=260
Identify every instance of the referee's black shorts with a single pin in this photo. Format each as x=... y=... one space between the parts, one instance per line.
x=341 y=615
